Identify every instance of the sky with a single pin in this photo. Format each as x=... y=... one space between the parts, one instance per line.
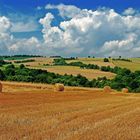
x=98 y=28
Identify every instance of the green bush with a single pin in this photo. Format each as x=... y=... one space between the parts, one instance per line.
x=106 y=60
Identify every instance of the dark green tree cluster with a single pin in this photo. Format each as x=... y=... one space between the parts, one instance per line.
x=106 y=60
x=21 y=73
x=77 y=63
x=2 y=62
x=59 y=61
x=24 y=61
x=70 y=58
x=121 y=59
x=90 y=66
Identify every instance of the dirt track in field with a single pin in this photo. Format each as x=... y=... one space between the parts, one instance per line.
x=37 y=112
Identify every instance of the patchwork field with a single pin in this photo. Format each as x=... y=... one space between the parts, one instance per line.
x=134 y=65
x=37 y=112
x=89 y=73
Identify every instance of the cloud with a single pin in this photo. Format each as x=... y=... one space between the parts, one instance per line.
x=25 y=46
x=68 y=11
x=102 y=32
x=4 y=24
x=81 y=32
x=10 y=45
x=119 y=47
x=130 y=11
x=5 y=36
x=39 y=8
x=23 y=23
x=24 y=27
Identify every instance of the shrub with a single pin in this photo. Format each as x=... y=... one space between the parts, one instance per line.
x=106 y=60
x=21 y=66
x=2 y=75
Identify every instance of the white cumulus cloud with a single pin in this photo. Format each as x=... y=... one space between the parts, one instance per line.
x=68 y=11
x=95 y=32
x=82 y=32
x=130 y=11
x=24 y=26
x=11 y=45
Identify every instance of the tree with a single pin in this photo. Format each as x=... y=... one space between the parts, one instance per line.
x=10 y=66
x=106 y=60
x=59 y=61
x=2 y=76
x=21 y=66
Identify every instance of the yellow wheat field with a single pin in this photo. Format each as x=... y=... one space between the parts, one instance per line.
x=37 y=112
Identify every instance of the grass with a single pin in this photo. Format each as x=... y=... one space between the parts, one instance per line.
x=31 y=111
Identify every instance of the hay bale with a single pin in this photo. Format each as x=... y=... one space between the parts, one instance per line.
x=0 y=87
x=125 y=90
x=59 y=87
x=107 y=89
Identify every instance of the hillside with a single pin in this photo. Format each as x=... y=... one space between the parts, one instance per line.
x=35 y=111
x=39 y=63
x=133 y=66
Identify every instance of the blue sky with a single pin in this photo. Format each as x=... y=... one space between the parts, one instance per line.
x=28 y=21
x=28 y=7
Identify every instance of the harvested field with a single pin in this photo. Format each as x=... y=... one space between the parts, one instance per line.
x=37 y=112
x=96 y=61
x=89 y=73
x=133 y=66
x=39 y=61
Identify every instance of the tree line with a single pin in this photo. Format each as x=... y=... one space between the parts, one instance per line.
x=2 y=62
x=24 y=61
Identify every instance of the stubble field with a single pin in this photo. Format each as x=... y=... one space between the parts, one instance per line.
x=37 y=112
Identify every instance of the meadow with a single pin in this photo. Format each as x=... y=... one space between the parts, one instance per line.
x=36 y=111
